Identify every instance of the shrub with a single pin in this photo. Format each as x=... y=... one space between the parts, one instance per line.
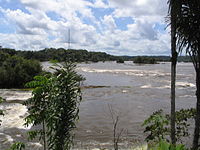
x=157 y=125
x=120 y=61
x=15 y=71
x=144 y=60
x=54 y=105
x=163 y=145
x=17 y=146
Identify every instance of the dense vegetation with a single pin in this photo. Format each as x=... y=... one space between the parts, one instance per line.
x=145 y=60
x=15 y=71
x=120 y=60
x=61 y=54
x=72 y=55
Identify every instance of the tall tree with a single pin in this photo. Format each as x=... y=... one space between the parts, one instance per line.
x=172 y=15
x=188 y=34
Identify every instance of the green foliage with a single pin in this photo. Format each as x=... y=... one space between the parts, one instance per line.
x=73 y=55
x=8 y=51
x=37 y=106
x=54 y=105
x=3 y=57
x=163 y=145
x=15 y=71
x=157 y=125
x=144 y=60
x=64 y=100
x=53 y=61
x=17 y=146
x=120 y=61
x=70 y=55
x=183 y=118
x=33 y=134
x=188 y=39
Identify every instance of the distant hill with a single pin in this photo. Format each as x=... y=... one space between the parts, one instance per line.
x=80 y=55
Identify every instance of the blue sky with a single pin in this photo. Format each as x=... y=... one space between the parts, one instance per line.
x=119 y=27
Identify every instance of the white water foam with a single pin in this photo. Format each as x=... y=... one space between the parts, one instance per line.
x=17 y=95
x=185 y=84
x=180 y=85
x=133 y=72
x=14 y=115
x=146 y=86
x=35 y=145
x=6 y=139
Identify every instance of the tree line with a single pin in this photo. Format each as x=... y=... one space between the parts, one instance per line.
x=61 y=55
x=73 y=55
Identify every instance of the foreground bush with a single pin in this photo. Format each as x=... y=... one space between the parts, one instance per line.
x=158 y=128
x=163 y=145
x=55 y=106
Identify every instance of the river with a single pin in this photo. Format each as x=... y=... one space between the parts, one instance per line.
x=130 y=91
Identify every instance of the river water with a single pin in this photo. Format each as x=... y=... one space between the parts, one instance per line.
x=128 y=91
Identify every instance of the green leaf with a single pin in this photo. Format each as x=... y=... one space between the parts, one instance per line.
x=17 y=146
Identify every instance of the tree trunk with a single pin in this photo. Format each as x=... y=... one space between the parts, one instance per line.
x=173 y=94
x=173 y=71
x=197 y=117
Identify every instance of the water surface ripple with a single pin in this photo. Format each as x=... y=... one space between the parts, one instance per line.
x=132 y=91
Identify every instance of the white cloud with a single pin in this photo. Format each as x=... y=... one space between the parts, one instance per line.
x=25 y=23
x=137 y=8
x=65 y=8
x=99 y=4
x=109 y=22
x=21 y=41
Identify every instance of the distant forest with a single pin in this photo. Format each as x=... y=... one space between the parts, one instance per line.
x=73 y=55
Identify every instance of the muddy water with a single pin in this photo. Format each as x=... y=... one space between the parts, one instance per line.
x=131 y=92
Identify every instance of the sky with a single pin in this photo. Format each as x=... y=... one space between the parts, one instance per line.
x=117 y=27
